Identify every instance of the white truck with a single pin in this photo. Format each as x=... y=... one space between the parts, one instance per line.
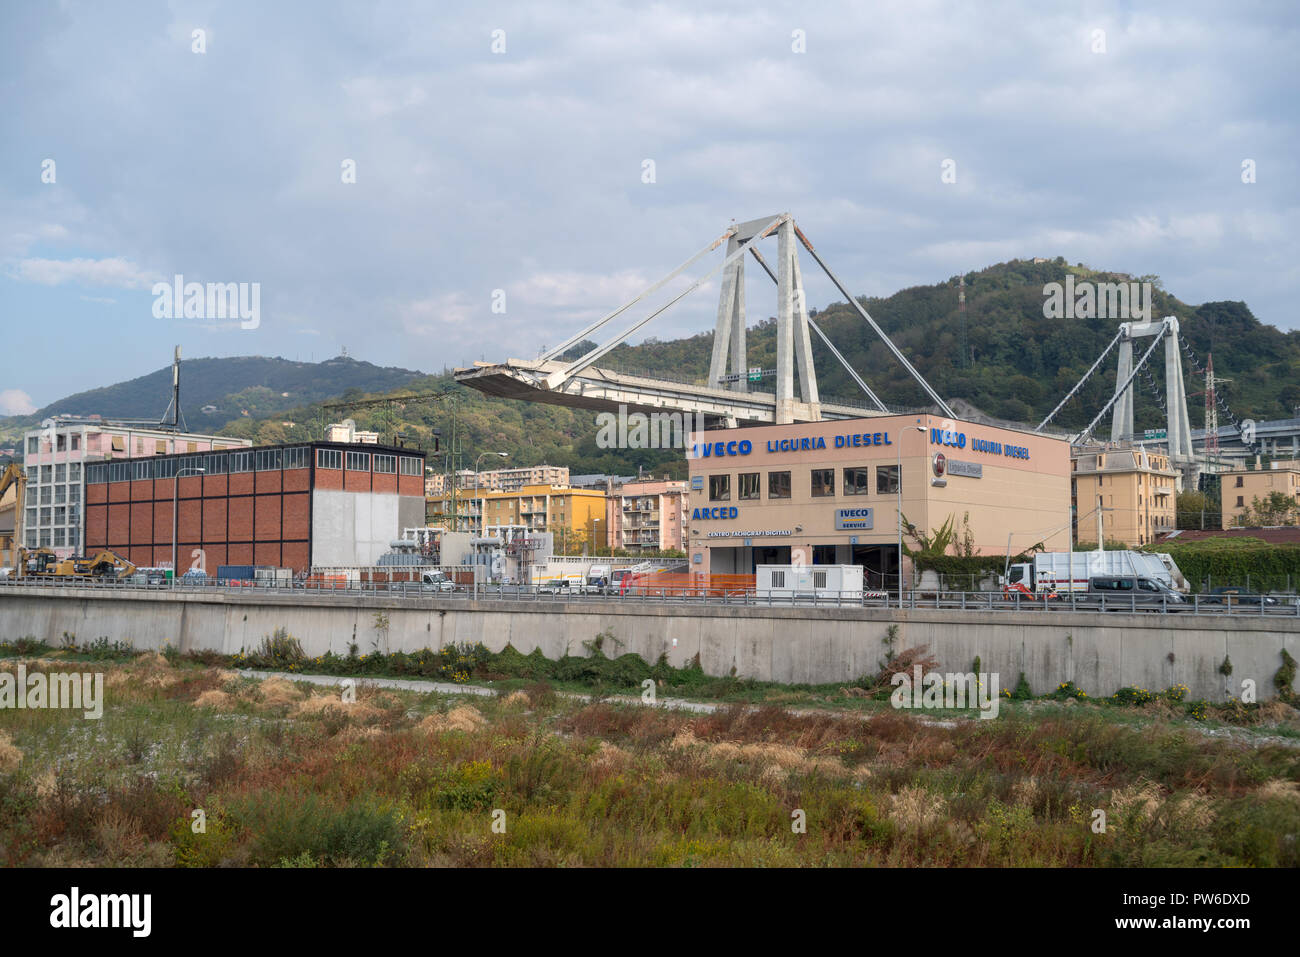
x=598 y=580
x=1061 y=573
x=806 y=582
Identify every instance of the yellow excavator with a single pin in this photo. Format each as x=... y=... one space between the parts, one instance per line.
x=15 y=476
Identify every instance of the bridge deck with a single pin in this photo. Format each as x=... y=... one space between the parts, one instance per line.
x=606 y=390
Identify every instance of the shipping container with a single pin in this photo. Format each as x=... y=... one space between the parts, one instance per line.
x=809 y=581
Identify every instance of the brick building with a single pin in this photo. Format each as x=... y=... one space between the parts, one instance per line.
x=292 y=506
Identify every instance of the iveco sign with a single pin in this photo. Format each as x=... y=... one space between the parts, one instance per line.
x=854 y=519
x=719 y=449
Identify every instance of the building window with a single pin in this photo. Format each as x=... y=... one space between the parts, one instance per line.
x=45 y=538
x=410 y=465
x=60 y=473
x=268 y=460
x=119 y=443
x=888 y=479
x=33 y=444
x=96 y=474
x=856 y=481
x=119 y=471
x=74 y=493
x=778 y=485
x=1239 y=480
x=297 y=458
x=358 y=461
x=45 y=516
x=142 y=469
x=191 y=447
x=60 y=515
x=164 y=468
x=216 y=464
x=241 y=462
x=60 y=443
x=719 y=488
x=60 y=494
x=31 y=518
x=329 y=459
x=160 y=447
x=76 y=443
x=823 y=483
x=74 y=472
x=47 y=474
x=748 y=487
x=1240 y=502
x=386 y=464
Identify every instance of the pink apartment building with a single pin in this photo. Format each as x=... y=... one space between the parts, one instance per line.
x=648 y=515
x=55 y=456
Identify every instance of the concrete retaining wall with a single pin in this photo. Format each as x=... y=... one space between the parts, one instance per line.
x=1099 y=653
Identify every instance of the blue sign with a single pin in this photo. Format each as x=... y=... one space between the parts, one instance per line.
x=717 y=511
x=719 y=449
x=697 y=483
x=957 y=440
x=854 y=518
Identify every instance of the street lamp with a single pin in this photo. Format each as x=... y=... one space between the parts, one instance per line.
x=176 y=484
x=481 y=525
x=898 y=485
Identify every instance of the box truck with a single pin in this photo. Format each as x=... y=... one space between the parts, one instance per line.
x=803 y=582
x=1061 y=573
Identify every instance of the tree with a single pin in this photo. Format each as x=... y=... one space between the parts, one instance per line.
x=1277 y=508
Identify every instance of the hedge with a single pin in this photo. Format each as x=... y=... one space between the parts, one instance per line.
x=1235 y=562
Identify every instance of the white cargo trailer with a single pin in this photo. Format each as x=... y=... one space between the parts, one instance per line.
x=804 y=582
x=1062 y=572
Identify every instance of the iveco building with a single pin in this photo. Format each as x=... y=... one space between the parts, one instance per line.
x=830 y=492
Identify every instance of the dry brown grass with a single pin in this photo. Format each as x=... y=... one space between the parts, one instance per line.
x=276 y=692
x=10 y=755
x=463 y=718
x=217 y=700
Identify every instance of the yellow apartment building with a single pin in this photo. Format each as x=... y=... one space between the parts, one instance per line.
x=573 y=514
x=1138 y=491
x=1240 y=487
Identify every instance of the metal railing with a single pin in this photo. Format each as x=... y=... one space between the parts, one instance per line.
x=1286 y=606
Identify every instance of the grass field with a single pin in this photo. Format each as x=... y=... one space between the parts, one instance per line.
x=289 y=774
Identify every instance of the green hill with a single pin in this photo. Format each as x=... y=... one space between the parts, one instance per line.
x=239 y=387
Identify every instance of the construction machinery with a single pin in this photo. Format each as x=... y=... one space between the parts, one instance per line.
x=42 y=563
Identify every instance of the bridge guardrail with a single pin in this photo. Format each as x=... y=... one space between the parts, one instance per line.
x=983 y=601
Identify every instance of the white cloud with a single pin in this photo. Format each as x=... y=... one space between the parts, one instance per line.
x=16 y=402
x=117 y=272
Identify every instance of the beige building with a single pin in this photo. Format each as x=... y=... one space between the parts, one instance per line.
x=829 y=492
x=1135 y=489
x=648 y=515
x=500 y=480
x=1239 y=487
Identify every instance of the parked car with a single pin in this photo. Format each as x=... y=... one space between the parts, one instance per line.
x=1118 y=591
x=1234 y=595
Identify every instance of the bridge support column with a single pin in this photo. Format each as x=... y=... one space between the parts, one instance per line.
x=1121 y=423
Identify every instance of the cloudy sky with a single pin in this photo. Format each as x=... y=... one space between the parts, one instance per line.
x=505 y=147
